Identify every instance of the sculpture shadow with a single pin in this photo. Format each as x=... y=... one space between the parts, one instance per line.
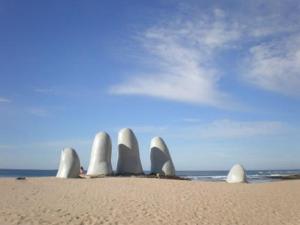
x=129 y=162
x=158 y=159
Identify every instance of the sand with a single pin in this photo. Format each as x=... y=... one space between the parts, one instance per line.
x=132 y=200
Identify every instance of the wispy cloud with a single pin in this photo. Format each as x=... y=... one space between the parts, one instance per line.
x=271 y=43
x=181 y=61
x=226 y=129
x=223 y=129
x=38 y=111
x=4 y=100
x=275 y=65
x=183 y=55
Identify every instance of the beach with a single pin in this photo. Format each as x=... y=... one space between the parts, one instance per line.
x=131 y=200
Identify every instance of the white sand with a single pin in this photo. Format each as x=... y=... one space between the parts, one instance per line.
x=147 y=201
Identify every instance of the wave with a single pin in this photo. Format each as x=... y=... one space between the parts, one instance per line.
x=252 y=176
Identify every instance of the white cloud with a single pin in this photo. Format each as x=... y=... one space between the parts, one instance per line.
x=4 y=100
x=275 y=66
x=228 y=129
x=217 y=33
x=223 y=129
x=183 y=54
x=38 y=111
x=180 y=56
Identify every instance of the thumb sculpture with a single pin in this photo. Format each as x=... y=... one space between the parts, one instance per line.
x=69 y=166
x=129 y=158
x=100 y=162
x=161 y=161
x=237 y=174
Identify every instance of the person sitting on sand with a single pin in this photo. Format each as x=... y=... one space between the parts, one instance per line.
x=81 y=174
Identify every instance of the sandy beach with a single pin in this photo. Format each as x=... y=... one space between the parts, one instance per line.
x=132 y=200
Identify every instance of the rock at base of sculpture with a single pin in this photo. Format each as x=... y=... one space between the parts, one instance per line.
x=69 y=166
x=161 y=161
x=100 y=162
x=129 y=162
x=237 y=174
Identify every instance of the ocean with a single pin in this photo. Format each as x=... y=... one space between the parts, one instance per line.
x=253 y=176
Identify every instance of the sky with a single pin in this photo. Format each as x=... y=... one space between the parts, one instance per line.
x=219 y=81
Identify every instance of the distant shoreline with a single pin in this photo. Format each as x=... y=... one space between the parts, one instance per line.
x=254 y=176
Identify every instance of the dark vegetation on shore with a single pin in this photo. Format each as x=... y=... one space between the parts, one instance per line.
x=158 y=176
x=286 y=177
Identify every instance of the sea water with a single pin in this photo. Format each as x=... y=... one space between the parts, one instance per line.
x=197 y=175
x=253 y=176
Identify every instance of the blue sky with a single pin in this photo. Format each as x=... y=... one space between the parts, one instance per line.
x=218 y=80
